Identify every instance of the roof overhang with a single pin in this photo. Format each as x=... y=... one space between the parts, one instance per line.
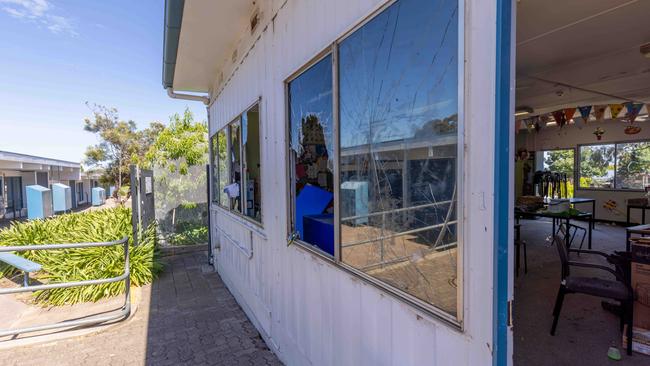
x=199 y=38
x=30 y=162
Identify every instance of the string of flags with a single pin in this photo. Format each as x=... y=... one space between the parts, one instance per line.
x=563 y=116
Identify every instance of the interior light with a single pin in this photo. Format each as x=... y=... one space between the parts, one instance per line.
x=522 y=111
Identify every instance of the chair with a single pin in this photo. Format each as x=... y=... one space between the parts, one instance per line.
x=618 y=289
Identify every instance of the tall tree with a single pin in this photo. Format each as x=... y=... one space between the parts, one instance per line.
x=120 y=143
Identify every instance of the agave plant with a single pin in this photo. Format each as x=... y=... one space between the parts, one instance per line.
x=67 y=265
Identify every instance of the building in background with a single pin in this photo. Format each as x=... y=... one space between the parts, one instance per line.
x=18 y=171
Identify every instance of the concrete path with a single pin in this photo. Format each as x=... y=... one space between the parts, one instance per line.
x=187 y=317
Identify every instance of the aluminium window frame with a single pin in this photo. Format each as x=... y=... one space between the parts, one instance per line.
x=258 y=225
x=454 y=322
x=615 y=143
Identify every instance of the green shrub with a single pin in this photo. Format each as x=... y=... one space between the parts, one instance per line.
x=188 y=233
x=67 y=265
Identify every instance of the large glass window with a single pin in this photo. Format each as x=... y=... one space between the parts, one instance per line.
x=633 y=165
x=311 y=157
x=252 y=165
x=597 y=166
x=398 y=100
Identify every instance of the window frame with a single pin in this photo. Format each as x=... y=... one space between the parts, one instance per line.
x=615 y=143
x=455 y=322
x=242 y=187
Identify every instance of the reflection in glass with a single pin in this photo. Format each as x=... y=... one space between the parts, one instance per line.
x=398 y=77
x=311 y=153
x=597 y=166
x=633 y=165
x=235 y=164
x=222 y=158
x=251 y=148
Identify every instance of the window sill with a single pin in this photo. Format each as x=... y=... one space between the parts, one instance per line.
x=610 y=189
x=250 y=224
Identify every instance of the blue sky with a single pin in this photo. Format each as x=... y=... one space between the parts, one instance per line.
x=58 y=54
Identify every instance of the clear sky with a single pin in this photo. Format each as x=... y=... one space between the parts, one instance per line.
x=57 y=54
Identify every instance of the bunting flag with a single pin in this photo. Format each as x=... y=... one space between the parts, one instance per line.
x=585 y=112
x=559 y=117
x=544 y=118
x=615 y=109
x=599 y=112
x=568 y=114
x=633 y=110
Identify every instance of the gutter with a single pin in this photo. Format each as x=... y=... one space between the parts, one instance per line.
x=172 y=32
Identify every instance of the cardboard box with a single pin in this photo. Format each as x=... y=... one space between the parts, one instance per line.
x=641 y=287
x=640 y=340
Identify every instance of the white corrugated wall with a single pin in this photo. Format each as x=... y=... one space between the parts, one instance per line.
x=310 y=311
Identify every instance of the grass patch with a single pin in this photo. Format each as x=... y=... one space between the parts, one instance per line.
x=67 y=265
x=189 y=233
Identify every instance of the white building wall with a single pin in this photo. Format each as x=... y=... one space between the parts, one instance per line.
x=311 y=311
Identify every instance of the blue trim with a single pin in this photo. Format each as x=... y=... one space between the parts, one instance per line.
x=502 y=182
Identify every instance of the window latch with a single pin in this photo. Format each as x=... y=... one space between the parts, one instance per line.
x=292 y=237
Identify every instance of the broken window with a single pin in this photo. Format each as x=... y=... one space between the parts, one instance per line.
x=250 y=122
x=398 y=102
x=311 y=155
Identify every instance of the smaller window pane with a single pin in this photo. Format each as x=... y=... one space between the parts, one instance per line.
x=252 y=165
x=561 y=162
x=235 y=167
x=633 y=165
x=597 y=166
x=214 y=162
x=222 y=148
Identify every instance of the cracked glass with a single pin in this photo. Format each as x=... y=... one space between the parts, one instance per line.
x=398 y=101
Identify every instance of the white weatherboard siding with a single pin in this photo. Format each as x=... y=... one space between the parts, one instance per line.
x=309 y=310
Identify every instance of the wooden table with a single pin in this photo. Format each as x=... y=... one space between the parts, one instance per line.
x=642 y=230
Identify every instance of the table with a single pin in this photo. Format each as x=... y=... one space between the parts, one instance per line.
x=561 y=216
x=641 y=207
x=577 y=200
x=642 y=230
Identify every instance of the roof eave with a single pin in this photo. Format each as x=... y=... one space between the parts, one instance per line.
x=172 y=32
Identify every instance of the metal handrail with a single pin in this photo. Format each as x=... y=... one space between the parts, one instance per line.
x=124 y=312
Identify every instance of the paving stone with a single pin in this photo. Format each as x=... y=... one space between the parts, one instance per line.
x=187 y=317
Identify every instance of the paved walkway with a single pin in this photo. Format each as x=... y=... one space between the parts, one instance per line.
x=187 y=317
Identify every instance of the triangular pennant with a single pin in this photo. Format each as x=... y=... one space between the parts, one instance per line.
x=615 y=109
x=633 y=110
x=568 y=113
x=559 y=117
x=585 y=112
x=599 y=112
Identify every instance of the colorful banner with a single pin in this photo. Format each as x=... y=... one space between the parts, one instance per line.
x=615 y=109
x=633 y=110
x=585 y=112
x=559 y=117
x=569 y=113
x=599 y=112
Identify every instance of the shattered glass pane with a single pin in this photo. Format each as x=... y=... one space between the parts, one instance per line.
x=398 y=77
x=311 y=148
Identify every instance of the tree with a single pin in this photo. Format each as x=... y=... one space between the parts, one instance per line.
x=178 y=157
x=182 y=144
x=121 y=143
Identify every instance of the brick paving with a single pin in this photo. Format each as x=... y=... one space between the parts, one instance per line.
x=187 y=317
